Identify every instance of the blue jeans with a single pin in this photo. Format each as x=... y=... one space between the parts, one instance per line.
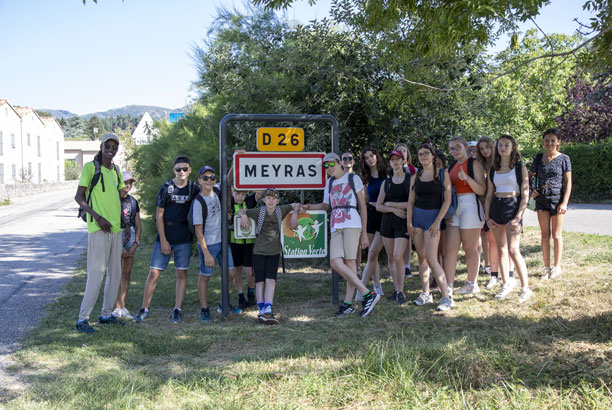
x=182 y=254
x=215 y=251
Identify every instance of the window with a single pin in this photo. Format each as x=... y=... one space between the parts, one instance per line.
x=56 y=151
x=14 y=172
x=28 y=142
x=39 y=173
x=12 y=140
x=1 y=173
x=29 y=168
x=38 y=144
x=58 y=174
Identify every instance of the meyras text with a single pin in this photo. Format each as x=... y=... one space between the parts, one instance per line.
x=280 y=171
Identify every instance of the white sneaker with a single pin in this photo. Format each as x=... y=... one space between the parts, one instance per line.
x=358 y=296
x=452 y=301
x=525 y=295
x=546 y=271
x=469 y=288
x=126 y=313
x=378 y=289
x=506 y=289
x=487 y=270
x=445 y=304
x=117 y=312
x=494 y=281
x=451 y=289
x=423 y=299
x=555 y=271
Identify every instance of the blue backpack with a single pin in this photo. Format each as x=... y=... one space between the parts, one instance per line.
x=453 y=205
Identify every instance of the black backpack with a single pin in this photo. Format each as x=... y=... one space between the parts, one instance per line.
x=202 y=202
x=97 y=176
x=351 y=180
x=169 y=185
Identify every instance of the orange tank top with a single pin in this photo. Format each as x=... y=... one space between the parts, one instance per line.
x=461 y=187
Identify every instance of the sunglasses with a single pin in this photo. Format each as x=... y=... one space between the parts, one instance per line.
x=207 y=177
x=179 y=169
x=111 y=147
x=329 y=164
x=347 y=159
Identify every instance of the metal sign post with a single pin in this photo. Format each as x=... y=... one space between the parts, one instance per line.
x=223 y=126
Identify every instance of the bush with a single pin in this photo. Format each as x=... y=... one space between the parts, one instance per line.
x=71 y=170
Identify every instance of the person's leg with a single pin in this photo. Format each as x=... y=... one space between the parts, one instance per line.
x=431 y=255
x=544 y=222
x=399 y=250
x=182 y=257
x=469 y=239
x=389 y=245
x=408 y=257
x=372 y=266
x=159 y=263
x=270 y=287
x=484 y=244
x=238 y=284
x=350 y=289
x=451 y=249
x=181 y=286
x=514 y=251
x=124 y=285
x=419 y=244
x=492 y=251
x=113 y=274
x=203 y=290
x=557 y=235
x=502 y=245
x=98 y=247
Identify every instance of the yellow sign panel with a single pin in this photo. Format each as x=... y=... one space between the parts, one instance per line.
x=280 y=139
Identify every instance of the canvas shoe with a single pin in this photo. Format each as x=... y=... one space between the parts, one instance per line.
x=423 y=299
x=176 y=316
x=401 y=298
x=344 y=310
x=445 y=304
x=525 y=295
x=369 y=301
x=470 y=288
x=494 y=281
x=205 y=315
x=546 y=271
x=378 y=289
x=84 y=327
x=555 y=271
x=141 y=315
x=506 y=289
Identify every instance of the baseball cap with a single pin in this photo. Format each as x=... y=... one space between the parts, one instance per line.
x=396 y=152
x=331 y=157
x=206 y=168
x=272 y=192
x=109 y=136
x=127 y=175
x=182 y=158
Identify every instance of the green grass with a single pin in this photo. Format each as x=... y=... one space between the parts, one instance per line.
x=555 y=351
x=5 y=202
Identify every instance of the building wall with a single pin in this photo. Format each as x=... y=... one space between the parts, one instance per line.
x=10 y=148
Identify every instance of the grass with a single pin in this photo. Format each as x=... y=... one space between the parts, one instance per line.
x=555 y=351
x=5 y=202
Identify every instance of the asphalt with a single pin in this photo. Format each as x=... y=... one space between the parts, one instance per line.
x=585 y=218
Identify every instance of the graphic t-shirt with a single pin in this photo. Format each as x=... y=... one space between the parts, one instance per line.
x=212 y=227
x=104 y=196
x=549 y=177
x=176 y=202
x=342 y=195
x=129 y=209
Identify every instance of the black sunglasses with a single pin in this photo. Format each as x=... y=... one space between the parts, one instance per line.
x=329 y=164
x=179 y=169
x=111 y=146
x=347 y=159
x=207 y=177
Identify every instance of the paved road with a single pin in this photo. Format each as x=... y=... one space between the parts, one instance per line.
x=41 y=244
x=587 y=218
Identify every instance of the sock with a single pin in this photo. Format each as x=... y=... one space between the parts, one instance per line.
x=251 y=291
x=268 y=307
x=261 y=305
x=347 y=303
x=495 y=274
x=511 y=273
x=241 y=296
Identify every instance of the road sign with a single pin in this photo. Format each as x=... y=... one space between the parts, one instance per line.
x=280 y=139
x=309 y=239
x=282 y=170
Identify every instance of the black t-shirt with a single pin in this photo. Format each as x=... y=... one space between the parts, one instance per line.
x=176 y=202
x=129 y=209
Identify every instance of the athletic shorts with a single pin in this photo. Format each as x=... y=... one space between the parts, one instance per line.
x=242 y=254
x=392 y=226
x=344 y=243
x=374 y=219
x=181 y=253
x=215 y=251
x=424 y=218
x=547 y=203
x=503 y=210
x=469 y=213
x=265 y=266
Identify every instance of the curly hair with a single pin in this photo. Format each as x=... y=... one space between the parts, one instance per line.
x=364 y=169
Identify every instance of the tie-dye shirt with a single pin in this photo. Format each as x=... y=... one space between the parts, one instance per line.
x=343 y=195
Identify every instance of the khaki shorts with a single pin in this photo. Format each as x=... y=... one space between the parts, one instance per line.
x=344 y=243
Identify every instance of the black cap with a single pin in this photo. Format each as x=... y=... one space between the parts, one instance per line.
x=181 y=158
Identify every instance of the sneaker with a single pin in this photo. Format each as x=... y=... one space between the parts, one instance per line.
x=267 y=319
x=176 y=316
x=205 y=315
x=344 y=310
x=232 y=308
x=125 y=313
x=423 y=299
x=506 y=289
x=141 y=315
x=445 y=304
x=435 y=289
x=116 y=312
x=452 y=302
x=408 y=273
x=487 y=270
x=84 y=327
x=242 y=303
x=358 y=296
x=494 y=281
x=251 y=300
x=369 y=301
x=555 y=271
x=110 y=320
x=546 y=271
x=393 y=296
x=451 y=289
x=378 y=289
x=401 y=298
x=470 y=288
x=525 y=295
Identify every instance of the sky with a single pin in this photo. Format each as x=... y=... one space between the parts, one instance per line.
x=88 y=58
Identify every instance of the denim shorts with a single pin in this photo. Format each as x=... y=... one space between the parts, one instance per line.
x=181 y=252
x=127 y=245
x=215 y=251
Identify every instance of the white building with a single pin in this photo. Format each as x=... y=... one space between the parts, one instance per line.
x=81 y=152
x=145 y=131
x=31 y=147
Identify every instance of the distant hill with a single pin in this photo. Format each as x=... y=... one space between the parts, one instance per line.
x=59 y=114
x=157 y=113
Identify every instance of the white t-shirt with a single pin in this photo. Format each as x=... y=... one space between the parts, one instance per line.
x=342 y=195
x=212 y=229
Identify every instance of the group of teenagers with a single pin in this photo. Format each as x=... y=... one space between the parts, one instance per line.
x=476 y=202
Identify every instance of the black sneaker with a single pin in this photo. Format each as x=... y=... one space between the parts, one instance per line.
x=401 y=298
x=176 y=316
x=251 y=300
x=269 y=319
x=393 y=296
x=344 y=310
x=205 y=315
x=242 y=303
x=141 y=315
x=84 y=327
x=369 y=301
x=408 y=273
x=110 y=320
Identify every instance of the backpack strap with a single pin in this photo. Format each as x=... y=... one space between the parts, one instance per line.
x=329 y=187
x=260 y=219
x=470 y=167
x=537 y=161
x=492 y=176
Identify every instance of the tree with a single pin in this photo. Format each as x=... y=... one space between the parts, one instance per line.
x=76 y=128
x=95 y=128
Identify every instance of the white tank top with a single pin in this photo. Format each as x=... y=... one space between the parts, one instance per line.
x=506 y=183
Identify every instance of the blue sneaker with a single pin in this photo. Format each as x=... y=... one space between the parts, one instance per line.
x=176 y=316
x=205 y=315
x=232 y=308
x=84 y=327
x=110 y=320
x=141 y=315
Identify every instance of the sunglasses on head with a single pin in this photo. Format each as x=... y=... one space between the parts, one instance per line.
x=347 y=159
x=111 y=146
x=179 y=169
x=329 y=164
x=207 y=177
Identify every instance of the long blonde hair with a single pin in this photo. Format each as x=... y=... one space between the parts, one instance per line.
x=486 y=163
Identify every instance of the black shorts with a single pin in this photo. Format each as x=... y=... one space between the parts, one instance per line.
x=265 y=267
x=374 y=219
x=242 y=254
x=392 y=226
x=547 y=203
x=503 y=210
